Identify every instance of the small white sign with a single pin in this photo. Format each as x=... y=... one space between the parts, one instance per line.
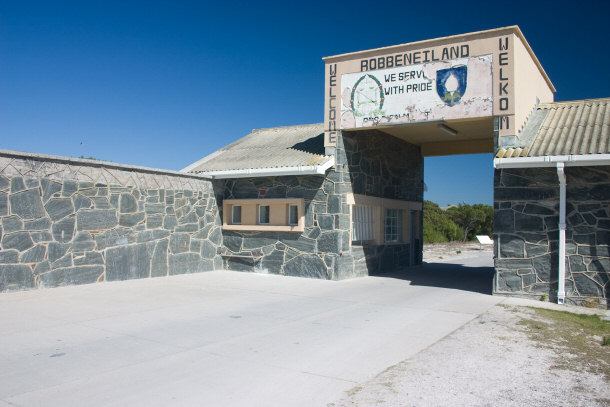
x=455 y=89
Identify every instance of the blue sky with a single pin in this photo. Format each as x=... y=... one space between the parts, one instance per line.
x=162 y=84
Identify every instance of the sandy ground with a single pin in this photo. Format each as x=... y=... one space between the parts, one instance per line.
x=452 y=252
x=490 y=361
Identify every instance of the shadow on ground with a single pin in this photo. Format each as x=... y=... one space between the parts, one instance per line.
x=448 y=275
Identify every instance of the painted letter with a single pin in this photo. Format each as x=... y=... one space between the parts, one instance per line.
x=502 y=78
x=503 y=90
x=416 y=56
x=465 y=49
x=505 y=46
x=503 y=58
x=504 y=119
x=503 y=103
x=454 y=52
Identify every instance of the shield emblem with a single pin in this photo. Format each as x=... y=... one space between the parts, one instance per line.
x=451 y=84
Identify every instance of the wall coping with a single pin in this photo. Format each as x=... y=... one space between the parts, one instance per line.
x=97 y=164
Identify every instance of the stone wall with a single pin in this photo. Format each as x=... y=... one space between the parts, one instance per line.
x=526 y=234
x=70 y=221
x=588 y=245
x=369 y=164
x=383 y=166
x=311 y=253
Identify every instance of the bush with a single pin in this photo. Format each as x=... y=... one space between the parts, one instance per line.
x=462 y=222
x=473 y=220
x=437 y=225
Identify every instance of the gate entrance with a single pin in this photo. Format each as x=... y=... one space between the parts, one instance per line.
x=344 y=198
x=387 y=109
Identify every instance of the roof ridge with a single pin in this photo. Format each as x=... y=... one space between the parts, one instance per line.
x=287 y=127
x=267 y=148
x=289 y=146
x=550 y=105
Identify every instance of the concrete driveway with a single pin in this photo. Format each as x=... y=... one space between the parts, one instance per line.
x=225 y=338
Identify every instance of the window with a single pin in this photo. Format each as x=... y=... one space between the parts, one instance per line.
x=392 y=225
x=363 y=223
x=379 y=221
x=293 y=214
x=236 y=214
x=263 y=214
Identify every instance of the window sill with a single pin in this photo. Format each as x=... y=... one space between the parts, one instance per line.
x=264 y=228
x=369 y=243
x=393 y=243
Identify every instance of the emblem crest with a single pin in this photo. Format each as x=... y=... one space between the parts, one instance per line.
x=451 y=84
x=367 y=96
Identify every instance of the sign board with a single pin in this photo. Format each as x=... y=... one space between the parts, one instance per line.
x=461 y=77
x=442 y=90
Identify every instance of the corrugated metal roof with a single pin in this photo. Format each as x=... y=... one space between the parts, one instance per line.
x=277 y=147
x=563 y=128
x=512 y=152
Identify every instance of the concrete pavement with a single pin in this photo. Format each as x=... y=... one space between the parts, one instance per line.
x=222 y=338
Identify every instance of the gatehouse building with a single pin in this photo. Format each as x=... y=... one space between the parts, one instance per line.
x=342 y=198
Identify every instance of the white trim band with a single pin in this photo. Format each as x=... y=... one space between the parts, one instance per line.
x=272 y=172
x=571 y=160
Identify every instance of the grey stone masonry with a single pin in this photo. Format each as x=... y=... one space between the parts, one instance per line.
x=71 y=221
x=383 y=166
x=526 y=233
x=369 y=164
x=312 y=253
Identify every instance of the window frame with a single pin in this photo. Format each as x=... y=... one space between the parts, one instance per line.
x=369 y=226
x=278 y=214
x=295 y=221
x=233 y=207
x=380 y=205
x=395 y=235
x=260 y=207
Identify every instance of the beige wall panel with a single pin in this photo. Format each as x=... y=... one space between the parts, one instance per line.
x=249 y=214
x=457 y=147
x=530 y=85
x=278 y=215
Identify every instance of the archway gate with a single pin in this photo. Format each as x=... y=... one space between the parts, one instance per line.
x=462 y=94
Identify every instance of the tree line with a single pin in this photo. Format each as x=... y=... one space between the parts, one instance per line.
x=462 y=222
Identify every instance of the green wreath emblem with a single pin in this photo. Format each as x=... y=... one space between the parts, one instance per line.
x=379 y=87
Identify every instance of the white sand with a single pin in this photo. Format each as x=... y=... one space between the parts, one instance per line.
x=452 y=252
x=488 y=362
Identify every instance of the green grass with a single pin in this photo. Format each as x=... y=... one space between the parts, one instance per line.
x=577 y=334
x=591 y=324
